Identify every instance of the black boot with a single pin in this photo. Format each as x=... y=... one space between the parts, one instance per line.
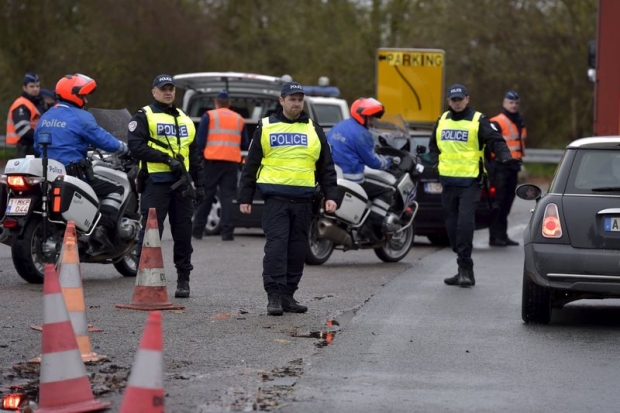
x=454 y=280
x=182 y=285
x=464 y=278
x=100 y=235
x=471 y=275
x=290 y=305
x=274 y=306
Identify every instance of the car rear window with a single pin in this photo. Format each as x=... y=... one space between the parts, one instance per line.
x=594 y=171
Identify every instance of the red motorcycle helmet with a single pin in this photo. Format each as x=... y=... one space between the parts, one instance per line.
x=364 y=108
x=73 y=88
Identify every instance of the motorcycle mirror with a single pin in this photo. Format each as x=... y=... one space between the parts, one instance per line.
x=420 y=149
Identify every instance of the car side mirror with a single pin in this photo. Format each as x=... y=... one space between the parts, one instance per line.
x=528 y=192
x=420 y=149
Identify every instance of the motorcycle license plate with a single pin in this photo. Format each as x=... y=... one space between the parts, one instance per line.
x=18 y=206
x=433 y=187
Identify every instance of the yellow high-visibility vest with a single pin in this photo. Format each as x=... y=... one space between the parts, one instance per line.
x=290 y=153
x=163 y=137
x=459 y=146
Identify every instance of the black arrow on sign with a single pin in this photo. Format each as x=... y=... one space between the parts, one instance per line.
x=410 y=87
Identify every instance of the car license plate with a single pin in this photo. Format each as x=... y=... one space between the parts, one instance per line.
x=18 y=206
x=433 y=187
x=612 y=224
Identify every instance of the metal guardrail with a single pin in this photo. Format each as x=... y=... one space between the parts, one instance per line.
x=543 y=155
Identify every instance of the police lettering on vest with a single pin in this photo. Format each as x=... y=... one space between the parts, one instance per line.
x=288 y=139
x=166 y=129
x=454 y=135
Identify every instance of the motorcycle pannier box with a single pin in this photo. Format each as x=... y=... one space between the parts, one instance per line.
x=73 y=200
x=352 y=202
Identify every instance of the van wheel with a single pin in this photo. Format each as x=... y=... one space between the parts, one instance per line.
x=536 y=302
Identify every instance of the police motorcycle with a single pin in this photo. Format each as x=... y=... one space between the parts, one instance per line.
x=42 y=199
x=342 y=229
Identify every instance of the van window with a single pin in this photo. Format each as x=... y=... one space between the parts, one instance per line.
x=326 y=114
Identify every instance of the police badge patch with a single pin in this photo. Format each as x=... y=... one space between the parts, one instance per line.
x=132 y=125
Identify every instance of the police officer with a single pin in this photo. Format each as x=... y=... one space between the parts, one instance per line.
x=457 y=143
x=505 y=177
x=288 y=155
x=23 y=116
x=353 y=149
x=162 y=138
x=220 y=137
x=72 y=129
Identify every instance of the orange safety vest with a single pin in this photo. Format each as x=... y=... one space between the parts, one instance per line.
x=224 y=139
x=510 y=132
x=11 y=136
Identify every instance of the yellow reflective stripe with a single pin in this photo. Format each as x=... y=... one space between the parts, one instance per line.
x=288 y=162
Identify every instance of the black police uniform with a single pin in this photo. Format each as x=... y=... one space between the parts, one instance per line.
x=157 y=193
x=287 y=214
x=505 y=180
x=460 y=196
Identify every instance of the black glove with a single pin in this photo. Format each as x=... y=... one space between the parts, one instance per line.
x=174 y=165
x=512 y=161
x=200 y=194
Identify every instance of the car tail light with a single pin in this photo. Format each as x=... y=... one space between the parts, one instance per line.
x=551 y=227
x=21 y=182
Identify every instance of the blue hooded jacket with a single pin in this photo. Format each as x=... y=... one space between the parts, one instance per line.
x=353 y=148
x=72 y=130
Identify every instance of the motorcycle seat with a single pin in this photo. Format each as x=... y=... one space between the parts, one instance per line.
x=380 y=176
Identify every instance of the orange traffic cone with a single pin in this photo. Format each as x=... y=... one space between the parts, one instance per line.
x=145 y=389
x=63 y=384
x=150 y=292
x=70 y=277
x=74 y=296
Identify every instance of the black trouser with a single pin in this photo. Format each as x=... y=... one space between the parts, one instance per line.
x=286 y=225
x=376 y=191
x=505 y=179
x=222 y=174
x=459 y=209
x=179 y=210
x=110 y=195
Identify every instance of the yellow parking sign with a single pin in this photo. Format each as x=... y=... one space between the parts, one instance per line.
x=410 y=82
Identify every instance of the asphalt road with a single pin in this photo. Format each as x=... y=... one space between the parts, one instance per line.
x=402 y=340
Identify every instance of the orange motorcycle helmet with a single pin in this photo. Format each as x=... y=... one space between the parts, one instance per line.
x=74 y=88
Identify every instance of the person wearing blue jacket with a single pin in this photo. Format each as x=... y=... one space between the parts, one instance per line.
x=72 y=129
x=353 y=149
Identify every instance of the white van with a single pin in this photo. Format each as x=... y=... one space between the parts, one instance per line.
x=253 y=96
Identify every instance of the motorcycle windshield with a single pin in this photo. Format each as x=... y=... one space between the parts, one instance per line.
x=390 y=130
x=113 y=120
